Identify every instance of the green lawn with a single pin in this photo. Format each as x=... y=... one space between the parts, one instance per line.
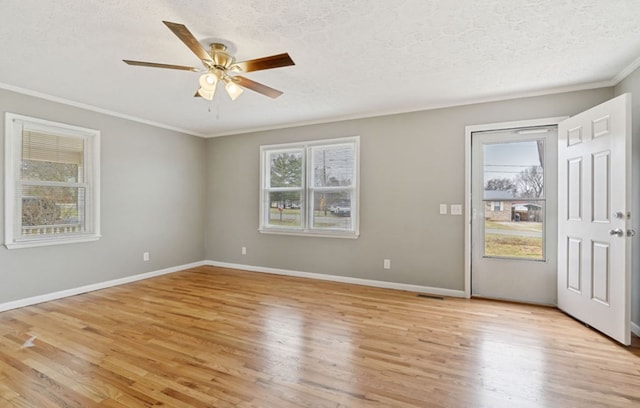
x=513 y=246
x=291 y=218
x=509 y=246
x=516 y=226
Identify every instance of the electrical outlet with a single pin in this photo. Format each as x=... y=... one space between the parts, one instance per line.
x=244 y=250
x=386 y=264
x=145 y=256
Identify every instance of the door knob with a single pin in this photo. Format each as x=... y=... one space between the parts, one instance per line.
x=617 y=232
x=631 y=233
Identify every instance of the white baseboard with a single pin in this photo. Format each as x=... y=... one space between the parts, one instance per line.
x=635 y=328
x=343 y=279
x=89 y=288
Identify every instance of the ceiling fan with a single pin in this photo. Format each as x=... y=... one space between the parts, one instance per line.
x=219 y=64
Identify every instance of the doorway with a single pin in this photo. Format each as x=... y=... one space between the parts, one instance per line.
x=591 y=152
x=513 y=230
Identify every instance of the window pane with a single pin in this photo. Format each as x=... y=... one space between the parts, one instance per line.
x=514 y=199
x=514 y=170
x=515 y=232
x=284 y=208
x=47 y=157
x=35 y=170
x=333 y=165
x=332 y=210
x=45 y=206
x=285 y=169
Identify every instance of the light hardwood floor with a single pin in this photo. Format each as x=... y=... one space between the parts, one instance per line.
x=212 y=337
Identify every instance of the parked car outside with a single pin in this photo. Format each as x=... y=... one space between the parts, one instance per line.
x=342 y=208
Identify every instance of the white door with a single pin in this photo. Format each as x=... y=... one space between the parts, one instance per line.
x=594 y=200
x=513 y=228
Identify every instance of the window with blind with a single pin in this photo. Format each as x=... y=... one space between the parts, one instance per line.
x=51 y=183
x=310 y=188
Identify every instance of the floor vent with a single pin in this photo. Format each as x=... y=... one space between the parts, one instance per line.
x=424 y=295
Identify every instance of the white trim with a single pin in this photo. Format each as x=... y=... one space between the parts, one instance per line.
x=53 y=241
x=307 y=190
x=635 y=329
x=467 y=179
x=425 y=107
x=382 y=112
x=15 y=125
x=342 y=279
x=92 y=108
x=302 y=233
x=467 y=213
x=96 y=286
x=626 y=72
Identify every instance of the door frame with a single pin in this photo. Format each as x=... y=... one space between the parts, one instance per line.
x=467 y=179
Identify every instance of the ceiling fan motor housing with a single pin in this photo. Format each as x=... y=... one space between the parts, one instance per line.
x=220 y=58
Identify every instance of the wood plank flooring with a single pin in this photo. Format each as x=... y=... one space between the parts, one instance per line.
x=212 y=337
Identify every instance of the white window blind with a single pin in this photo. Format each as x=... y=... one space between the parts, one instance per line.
x=52 y=148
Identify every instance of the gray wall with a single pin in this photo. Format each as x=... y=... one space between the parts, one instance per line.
x=632 y=84
x=155 y=183
x=152 y=187
x=410 y=163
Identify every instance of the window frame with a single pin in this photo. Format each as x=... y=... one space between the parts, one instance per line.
x=307 y=191
x=14 y=126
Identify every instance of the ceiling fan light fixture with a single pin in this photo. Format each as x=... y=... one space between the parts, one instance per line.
x=208 y=82
x=233 y=90
x=208 y=95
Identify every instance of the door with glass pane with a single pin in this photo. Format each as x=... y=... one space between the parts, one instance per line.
x=514 y=222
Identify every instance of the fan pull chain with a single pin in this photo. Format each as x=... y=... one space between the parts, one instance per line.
x=216 y=107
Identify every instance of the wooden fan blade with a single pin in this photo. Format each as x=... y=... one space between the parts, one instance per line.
x=156 y=65
x=273 y=61
x=257 y=87
x=183 y=33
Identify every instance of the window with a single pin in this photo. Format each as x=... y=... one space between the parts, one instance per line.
x=51 y=183
x=310 y=188
x=514 y=171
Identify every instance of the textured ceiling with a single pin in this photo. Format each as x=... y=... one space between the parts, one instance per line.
x=353 y=58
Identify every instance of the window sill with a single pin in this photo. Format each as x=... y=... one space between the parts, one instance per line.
x=343 y=235
x=50 y=242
